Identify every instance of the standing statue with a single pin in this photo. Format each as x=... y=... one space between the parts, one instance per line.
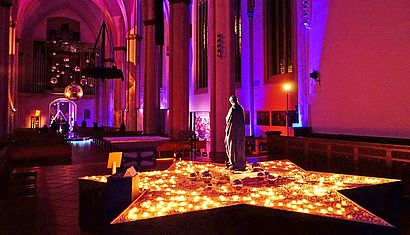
x=235 y=136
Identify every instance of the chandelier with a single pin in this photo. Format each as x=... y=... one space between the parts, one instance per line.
x=67 y=60
x=75 y=65
x=73 y=91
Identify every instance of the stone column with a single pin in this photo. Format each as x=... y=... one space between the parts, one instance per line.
x=4 y=60
x=110 y=111
x=221 y=72
x=13 y=75
x=99 y=100
x=120 y=86
x=250 y=10
x=179 y=67
x=131 y=102
x=151 y=81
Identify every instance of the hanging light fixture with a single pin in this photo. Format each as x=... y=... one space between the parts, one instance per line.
x=53 y=80
x=83 y=82
x=73 y=91
x=68 y=58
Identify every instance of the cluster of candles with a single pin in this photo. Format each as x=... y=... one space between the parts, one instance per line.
x=193 y=186
x=97 y=178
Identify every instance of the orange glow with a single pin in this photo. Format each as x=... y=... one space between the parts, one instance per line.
x=38 y=112
x=13 y=109
x=12 y=39
x=98 y=178
x=131 y=48
x=287 y=87
x=287 y=187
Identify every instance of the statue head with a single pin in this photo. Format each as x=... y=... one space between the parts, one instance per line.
x=233 y=99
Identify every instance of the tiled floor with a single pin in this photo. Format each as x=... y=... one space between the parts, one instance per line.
x=54 y=209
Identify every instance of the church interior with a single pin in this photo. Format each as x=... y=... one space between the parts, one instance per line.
x=114 y=116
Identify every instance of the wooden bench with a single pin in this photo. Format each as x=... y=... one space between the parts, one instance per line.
x=345 y=157
x=34 y=148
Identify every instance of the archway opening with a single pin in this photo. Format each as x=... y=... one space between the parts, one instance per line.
x=62 y=112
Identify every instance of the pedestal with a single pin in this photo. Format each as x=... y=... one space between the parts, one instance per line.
x=121 y=191
x=91 y=203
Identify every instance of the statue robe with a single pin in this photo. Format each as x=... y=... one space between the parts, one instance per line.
x=235 y=137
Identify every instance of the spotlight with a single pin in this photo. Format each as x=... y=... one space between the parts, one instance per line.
x=315 y=76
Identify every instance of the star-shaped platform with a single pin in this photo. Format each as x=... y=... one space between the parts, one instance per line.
x=290 y=188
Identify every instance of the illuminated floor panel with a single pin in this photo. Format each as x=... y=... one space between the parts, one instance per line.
x=290 y=188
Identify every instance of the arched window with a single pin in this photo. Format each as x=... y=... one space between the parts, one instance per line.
x=279 y=38
x=238 y=40
x=202 y=44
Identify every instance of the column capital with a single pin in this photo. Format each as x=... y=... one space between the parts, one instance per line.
x=6 y=3
x=179 y=1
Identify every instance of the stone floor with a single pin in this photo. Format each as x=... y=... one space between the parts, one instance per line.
x=52 y=205
x=53 y=209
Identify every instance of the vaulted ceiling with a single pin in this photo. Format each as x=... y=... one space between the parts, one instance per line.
x=118 y=14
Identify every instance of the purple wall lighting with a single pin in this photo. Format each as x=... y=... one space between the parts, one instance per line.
x=312 y=19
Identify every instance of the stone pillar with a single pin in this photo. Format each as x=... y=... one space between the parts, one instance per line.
x=4 y=61
x=221 y=72
x=151 y=81
x=110 y=111
x=13 y=75
x=120 y=86
x=105 y=102
x=99 y=100
x=179 y=67
x=131 y=100
x=250 y=10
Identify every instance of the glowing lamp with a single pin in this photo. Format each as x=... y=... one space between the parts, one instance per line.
x=38 y=112
x=53 y=80
x=83 y=82
x=287 y=87
x=73 y=91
